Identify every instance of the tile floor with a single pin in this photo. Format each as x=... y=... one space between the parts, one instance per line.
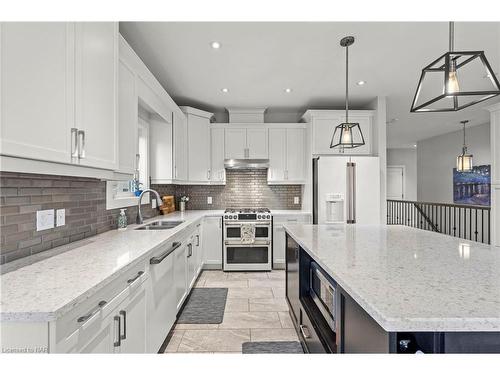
x=256 y=310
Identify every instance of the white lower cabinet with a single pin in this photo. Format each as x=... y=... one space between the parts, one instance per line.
x=212 y=242
x=180 y=275
x=279 y=238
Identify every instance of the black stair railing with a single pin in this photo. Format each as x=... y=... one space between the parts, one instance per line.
x=464 y=221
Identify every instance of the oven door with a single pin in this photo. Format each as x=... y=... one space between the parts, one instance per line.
x=233 y=231
x=248 y=257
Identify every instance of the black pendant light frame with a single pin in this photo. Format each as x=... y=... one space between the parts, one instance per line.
x=450 y=58
x=351 y=127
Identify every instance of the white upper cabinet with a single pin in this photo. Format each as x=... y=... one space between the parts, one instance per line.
x=198 y=136
x=295 y=155
x=277 y=155
x=286 y=155
x=323 y=123
x=96 y=101
x=257 y=143
x=59 y=92
x=127 y=118
x=218 y=172
x=246 y=143
x=37 y=86
x=180 y=147
x=236 y=143
x=160 y=150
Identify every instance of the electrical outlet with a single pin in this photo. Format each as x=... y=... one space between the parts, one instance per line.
x=296 y=200
x=209 y=200
x=153 y=203
x=60 y=217
x=44 y=220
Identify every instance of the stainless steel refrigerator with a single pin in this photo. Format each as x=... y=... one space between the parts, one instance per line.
x=346 y=189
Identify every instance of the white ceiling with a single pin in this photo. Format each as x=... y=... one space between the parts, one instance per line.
x=257 y=61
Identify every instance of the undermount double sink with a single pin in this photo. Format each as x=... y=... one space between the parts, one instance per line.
x=160 y=225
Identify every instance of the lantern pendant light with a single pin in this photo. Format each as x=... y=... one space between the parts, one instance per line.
x=347 y=134
x=464 y=160
x=441 y=87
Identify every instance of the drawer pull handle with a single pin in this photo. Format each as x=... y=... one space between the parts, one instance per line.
x=305 y=331
x=124 y=314
x=139 y=274
x=86 y=317
x=119 y=341
x=160 y=258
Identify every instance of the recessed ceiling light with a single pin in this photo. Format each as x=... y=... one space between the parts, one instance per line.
x=392 y=120
x=414 y=145
x=215 y=45
x=224 y=90
x=361 y=83
x=288 y=90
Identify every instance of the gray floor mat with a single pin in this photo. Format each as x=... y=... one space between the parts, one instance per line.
x=204 y=306
x=272 y=347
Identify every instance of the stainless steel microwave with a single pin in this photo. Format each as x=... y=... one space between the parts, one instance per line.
x=322 y=292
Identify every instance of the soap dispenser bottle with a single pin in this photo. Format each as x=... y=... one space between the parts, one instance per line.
x=122 y=220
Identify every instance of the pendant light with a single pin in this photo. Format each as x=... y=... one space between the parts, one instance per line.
x=464 y=160
x=455 y=80
x=347 y=134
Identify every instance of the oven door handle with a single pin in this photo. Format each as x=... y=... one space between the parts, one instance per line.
x=254 y=244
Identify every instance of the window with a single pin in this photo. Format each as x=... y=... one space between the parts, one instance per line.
x=123 y=193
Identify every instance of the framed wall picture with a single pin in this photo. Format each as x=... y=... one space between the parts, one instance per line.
x=474 y=187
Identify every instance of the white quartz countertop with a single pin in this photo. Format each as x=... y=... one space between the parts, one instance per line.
x=409 y=279
x=46 y=289
x=290 y=212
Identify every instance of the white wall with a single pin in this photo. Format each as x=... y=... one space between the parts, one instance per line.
x=408 y=158
x=436 y=158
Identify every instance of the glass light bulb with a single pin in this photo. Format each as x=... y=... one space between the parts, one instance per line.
x=452 y=86
x=346 y=136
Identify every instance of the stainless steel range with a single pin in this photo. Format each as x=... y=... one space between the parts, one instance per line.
x=247 y=240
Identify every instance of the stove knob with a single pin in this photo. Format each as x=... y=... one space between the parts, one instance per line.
x=258 y=216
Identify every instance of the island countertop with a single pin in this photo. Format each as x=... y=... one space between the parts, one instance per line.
x=409 y=279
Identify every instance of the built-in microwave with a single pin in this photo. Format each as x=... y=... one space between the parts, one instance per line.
x=322 y=291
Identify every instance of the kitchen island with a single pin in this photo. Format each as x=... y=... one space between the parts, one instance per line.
x=397 y=289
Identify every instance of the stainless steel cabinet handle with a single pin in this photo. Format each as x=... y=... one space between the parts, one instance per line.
x=119 y=341
x=139 y=274
x=124 y=314
x=190 y=250
x=74 y=142
x=81 y=144
x=197 y=240
x=86 y=317
x=137 y=161
x=159 y=259
x=305 y=331
x=208 y=174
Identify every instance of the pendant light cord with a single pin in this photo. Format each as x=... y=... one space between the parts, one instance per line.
x=452 y=36
x=346 y=84
x=465 y=146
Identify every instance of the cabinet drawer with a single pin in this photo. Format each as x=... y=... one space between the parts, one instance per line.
x=86 y=320
x=308 y=334
x=291 y=219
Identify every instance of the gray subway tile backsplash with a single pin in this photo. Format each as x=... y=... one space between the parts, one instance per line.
x=84 y=200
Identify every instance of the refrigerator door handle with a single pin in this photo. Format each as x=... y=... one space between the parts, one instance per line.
x=351 y=193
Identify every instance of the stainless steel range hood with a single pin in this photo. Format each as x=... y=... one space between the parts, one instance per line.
x=246 y=163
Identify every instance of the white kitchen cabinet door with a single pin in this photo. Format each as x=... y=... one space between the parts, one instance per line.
x=102 y=343
x=37 y=86
x=218 y=172
x=365 y=124
x=295 y=156
x=257 y=143
x=235 y=143
x=127 y=118
x=198 y=249
x=180 y=147
x=160 y=150
x=322 y=130
x=161 y=299
x=96 y=92
x=212 y=242
x=279 y=243
x=277 y=155
x=180 y=275
x=191 y=263
x=198 y=149
x=133 y=322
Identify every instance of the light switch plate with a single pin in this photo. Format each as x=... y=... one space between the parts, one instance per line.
x=44 y=220
x=60 y=217
x=296 y=200
x=209 y=200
